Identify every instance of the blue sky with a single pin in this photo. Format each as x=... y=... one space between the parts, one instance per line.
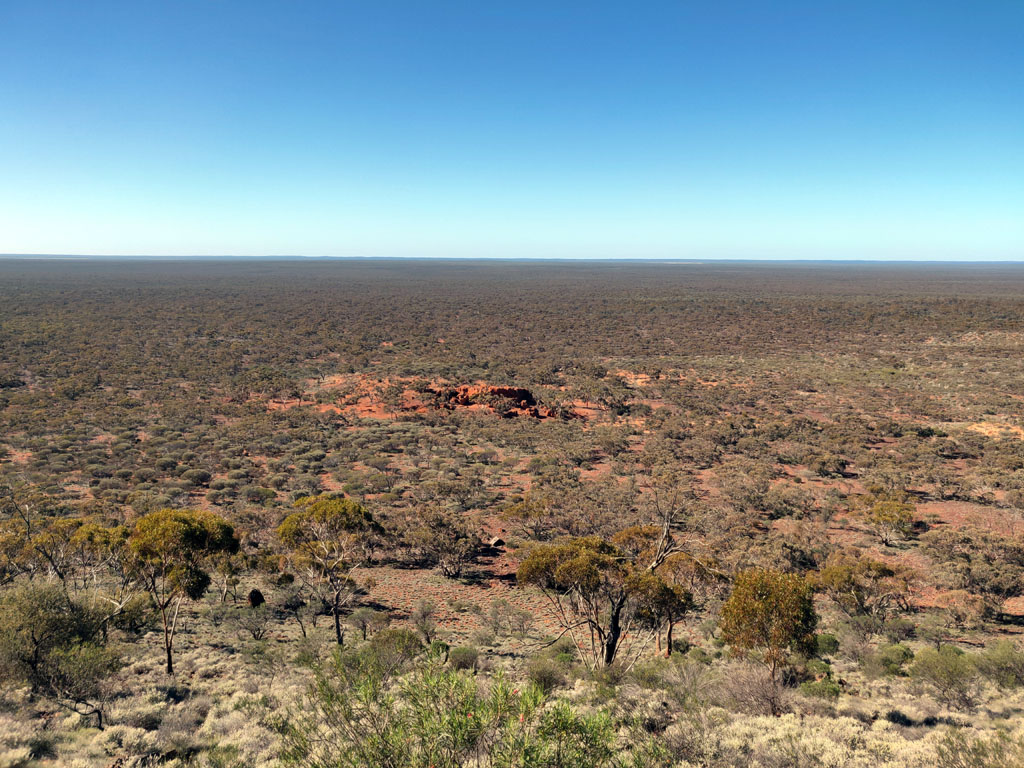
x=714 y=129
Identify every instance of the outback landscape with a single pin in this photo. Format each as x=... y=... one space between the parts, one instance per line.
x=511 y=513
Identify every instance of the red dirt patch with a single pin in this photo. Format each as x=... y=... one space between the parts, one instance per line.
x=19 y=457
x=962 y=514
x=399 y=590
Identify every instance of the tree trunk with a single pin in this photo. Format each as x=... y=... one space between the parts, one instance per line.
x=169 y=633
x=337 y=624
x=668 y=640
x=611 y=640
x=773 y=671
x=167 y=641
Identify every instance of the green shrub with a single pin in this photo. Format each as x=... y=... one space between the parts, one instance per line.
x=652 y=673
x=55 y=646
x=681 y=646
x=463 y=657
x=197 y=476
x=888 y=660
x=1003 y=664
x=256 y=494
x=950 y=673
x=818 y=668
x=699 y=655
x=137 y=616
x=438 y=649
x=827 y=644
x=390 y=649
x=821 y=689
x=424 y=619
x=365 y=620
x=254 y=621
x=547 y=674
x=439 y=717
x=898 y=629
x=460 y=606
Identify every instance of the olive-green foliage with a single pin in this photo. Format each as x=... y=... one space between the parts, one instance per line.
x=181 y=409
x=601 y=586
x=546 y=673
x=984 y=563
x=891 y=519
x=818 y=667
x=254 y=621
x=821 y=689
x=136 y=616
x=55 y=645
x=826 y=644
x=424 y=618
x=170 y=549
x=772 y=613
x=950 y=674
x=463 y=657
x=889 y=660
x=1002 y=663
x=324 y=521
x=367 y=620
x=326 y=537
x=863 y=587
x=435 y=716
x=391 y=649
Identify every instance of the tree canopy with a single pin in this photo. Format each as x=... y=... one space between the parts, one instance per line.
x=772 y=613
x=170 y=548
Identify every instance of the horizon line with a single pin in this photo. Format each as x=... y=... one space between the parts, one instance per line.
x=616 y=259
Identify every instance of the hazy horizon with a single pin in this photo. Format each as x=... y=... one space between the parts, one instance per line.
x=142 y=258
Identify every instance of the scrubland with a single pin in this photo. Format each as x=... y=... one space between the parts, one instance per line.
x=511 y=514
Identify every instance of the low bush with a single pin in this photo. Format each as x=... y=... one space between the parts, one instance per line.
x=827 y=644
x=463 y=657
x=547 y=674
x=821 y=689
x=951 y=675
x=390 y=649
x=484 y=638
x=961 y=750
x=889 y=660
x=1003 y=664
x=441 y=718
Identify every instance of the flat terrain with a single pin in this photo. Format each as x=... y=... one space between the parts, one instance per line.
x=786 y=400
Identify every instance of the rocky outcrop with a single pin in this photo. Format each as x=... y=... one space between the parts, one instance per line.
x=469 y=394
x=507 y=402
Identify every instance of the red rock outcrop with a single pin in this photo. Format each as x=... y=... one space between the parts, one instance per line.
x=506 y=401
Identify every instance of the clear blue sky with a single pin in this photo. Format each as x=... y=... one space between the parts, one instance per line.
x=712 y=129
